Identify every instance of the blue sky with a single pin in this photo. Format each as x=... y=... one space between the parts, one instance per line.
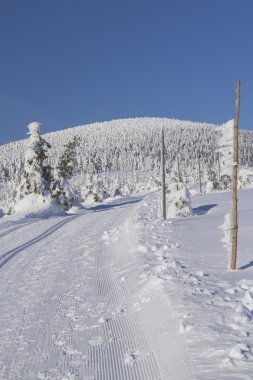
x=71 y=62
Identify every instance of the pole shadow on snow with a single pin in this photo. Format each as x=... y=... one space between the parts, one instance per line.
x=202 y=210
x=10 y=254
x=105 y=207
x=250 y=264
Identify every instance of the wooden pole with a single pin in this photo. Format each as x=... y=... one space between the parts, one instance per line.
x=163 y=178
x=218 y=165
x=235 y=173
x=200 y=186
x=178 y=169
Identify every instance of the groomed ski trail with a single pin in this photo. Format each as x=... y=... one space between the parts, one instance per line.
x=64 y=311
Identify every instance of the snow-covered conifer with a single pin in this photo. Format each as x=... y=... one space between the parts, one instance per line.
x=62 y=191
x=68 y=160
x=99 y=192
x=36 y=174
x=212 y=181
x=225 y=182
x=243 y=179
x=179 y=200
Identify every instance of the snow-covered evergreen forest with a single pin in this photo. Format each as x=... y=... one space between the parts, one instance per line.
x=125 y=154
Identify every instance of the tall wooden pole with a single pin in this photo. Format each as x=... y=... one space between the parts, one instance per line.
x=235 y=172
x=178 y=169
x=200 y=185
x=163 y=178
x=218 y=165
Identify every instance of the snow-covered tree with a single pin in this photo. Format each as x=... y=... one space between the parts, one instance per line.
x=62 y=191
x=212 y=183
x=243 y=179
x=225 y=182
x=68 y=160
x=179 y=200
x=36 y=173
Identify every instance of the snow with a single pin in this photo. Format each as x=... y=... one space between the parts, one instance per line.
x=226 y=142
x=34 y=129
x=114 y=292
x=227 y=228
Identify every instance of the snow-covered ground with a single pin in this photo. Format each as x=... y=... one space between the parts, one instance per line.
x=115 y=293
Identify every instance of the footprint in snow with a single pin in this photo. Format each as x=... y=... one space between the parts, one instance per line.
x=55 y=374
x=71 y=351
x=59 y=342
x=247 y=300
x=241 y=352
x=96 y=341
x=142 y=248
x=131 y=357
x=241 y=314
x=184 y=327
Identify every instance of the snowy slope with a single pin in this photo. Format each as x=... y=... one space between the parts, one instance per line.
x=116 y=293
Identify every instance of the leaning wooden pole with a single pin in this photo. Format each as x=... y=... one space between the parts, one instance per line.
x=163 y=178
x=235 y=174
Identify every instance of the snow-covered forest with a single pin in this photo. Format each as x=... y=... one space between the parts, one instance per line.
x=125 y=154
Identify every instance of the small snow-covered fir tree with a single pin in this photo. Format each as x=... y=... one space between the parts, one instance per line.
x=99 y=192
x=115 y=187
x=68 y=160
x=243 y=179
x=225 y=182
x=94 y=189
x=36 y=174
x=62 y=191
x=212 y=181
x=179 y=200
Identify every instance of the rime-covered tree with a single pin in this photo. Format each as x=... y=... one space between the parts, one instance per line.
x=68 y=160
x=212 y=183
x=36 y=174
x=62 y=191
x=179 y=200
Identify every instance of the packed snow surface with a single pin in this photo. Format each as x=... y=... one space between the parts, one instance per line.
x=116 y=293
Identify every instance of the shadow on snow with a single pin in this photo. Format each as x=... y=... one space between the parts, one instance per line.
x=10 y=254
x=122 y=202
x=250 y=264
x=202 y=210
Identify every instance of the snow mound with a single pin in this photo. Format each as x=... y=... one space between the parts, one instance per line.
x=36 y=204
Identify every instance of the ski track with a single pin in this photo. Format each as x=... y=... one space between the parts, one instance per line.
x=9 y=230
x=9 y=254
x=64 y=309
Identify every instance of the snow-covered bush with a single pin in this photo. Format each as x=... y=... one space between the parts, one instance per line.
x=179 y=200
x=212 y=183
x=243 y=179
x=114 y=187
x=225 y=182
x=93 y=189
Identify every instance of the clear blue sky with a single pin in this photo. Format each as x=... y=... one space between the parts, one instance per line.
x=71 y=62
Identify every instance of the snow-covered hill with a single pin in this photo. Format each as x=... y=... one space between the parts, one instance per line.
x=133 y=145
x=123 y=156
